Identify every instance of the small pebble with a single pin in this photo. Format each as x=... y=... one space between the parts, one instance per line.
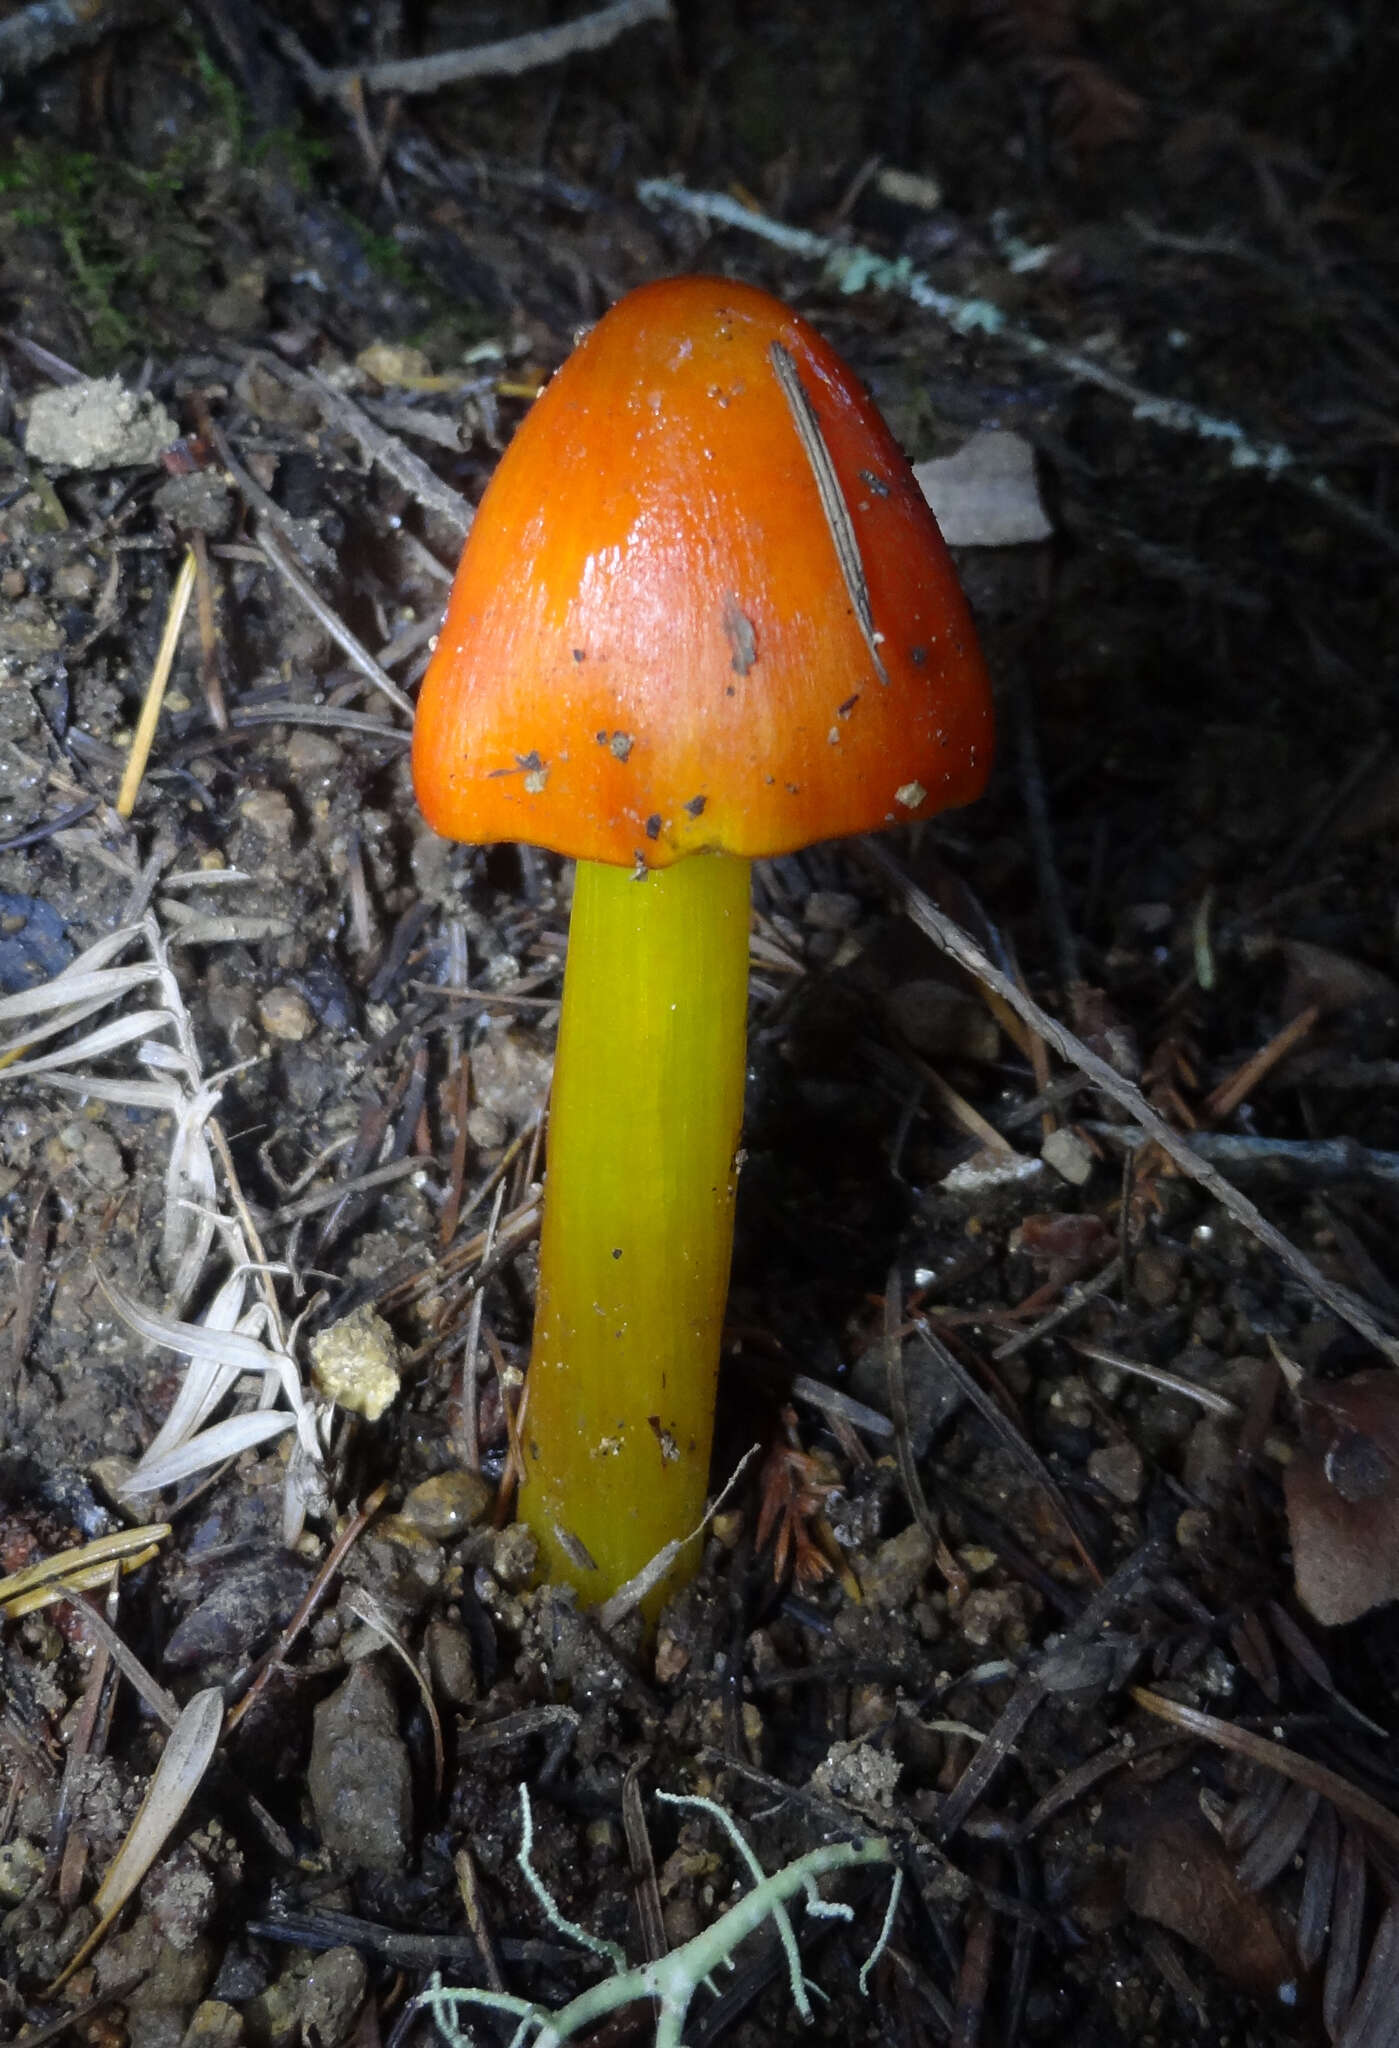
x=268 y=812
x=332 y=1995
x=284 y=1014
x=1119 y=1470
x=451 y=1663
x=448 y=1504
x=1067 y=1153
x=515 y=1558
x=21 y=1865
x=831 y=910
x=359 y=1778
x=898 y=1568
x=213 y=2025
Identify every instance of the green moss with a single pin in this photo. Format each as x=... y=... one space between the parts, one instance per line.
x=117 y=232
x=134 y=254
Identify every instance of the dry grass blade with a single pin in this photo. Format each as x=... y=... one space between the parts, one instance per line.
x=1347 y=1916
x=177 y=1085
x=1373 y=2020
x=226 y=1439
x=207 y=1380
x=230 y=1342
x=952 y=940
x=1318 y=1886
x=144 y=736
x=219 y=1356
x=53 y=1575
x=1350 y=1799
x=1274 y=1846
x=107 y=1038
x=361 y=1602
x=178 y=1775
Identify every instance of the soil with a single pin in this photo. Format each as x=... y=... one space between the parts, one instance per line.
x=1054 y=1454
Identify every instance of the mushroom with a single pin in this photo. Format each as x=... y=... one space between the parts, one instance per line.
x=703 y=615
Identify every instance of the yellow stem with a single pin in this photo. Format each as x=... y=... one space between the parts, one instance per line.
x=638 y=1216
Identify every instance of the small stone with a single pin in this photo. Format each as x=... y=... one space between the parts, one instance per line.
x=394 y=362
x=160 y=2026
x=178 y=1893
x=21 y=1865
x=213 y=2025
x=986 y=495
x=355 y=1363
x=404 y=1565
x=284 y=1014
x=313 y=754
x=359 y=1776
x=898 y=1568
x=331 y=1997
x=269 y=813
x=27 y=638
x=1210 y=1465
x=994 y=1614
x=96 y=423
x=274 y=2016
x=236 y=308
x=1067 y=1153
x=74 y=580
x=1118 y=1469
x=831 y=910
x=1156 y=1275
x=169 y=1977
x=860 y=1775
x=486 y=1129
x=199 y=503
x=673 y=1655
x=451 y=1663
x=943 y=1022
x=515 y=1558
x=448 y=1504
x=872 y=1708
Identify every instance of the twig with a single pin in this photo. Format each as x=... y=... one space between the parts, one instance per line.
x=1241 y=1083
x=953 y=1575
x=339 y=632
x=1012 y=1437
x=330 y=1564
x=298 y=532
x=161 y=1703
x=362 y=1183
x=1174 y=1382
x=209 y=635
x=1078 y=1297
x=1280 y=1160
x=1032 y=1691
x=952 y=940
x=144 y=736
x=855 y=268
x=387 y=450
x=505 y=59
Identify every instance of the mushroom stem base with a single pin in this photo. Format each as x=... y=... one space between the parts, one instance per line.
x=638 y=1216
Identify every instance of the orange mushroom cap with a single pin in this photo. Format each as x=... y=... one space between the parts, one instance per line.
x=703 y=605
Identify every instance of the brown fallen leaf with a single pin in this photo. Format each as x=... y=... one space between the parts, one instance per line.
x=1342 y=1491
